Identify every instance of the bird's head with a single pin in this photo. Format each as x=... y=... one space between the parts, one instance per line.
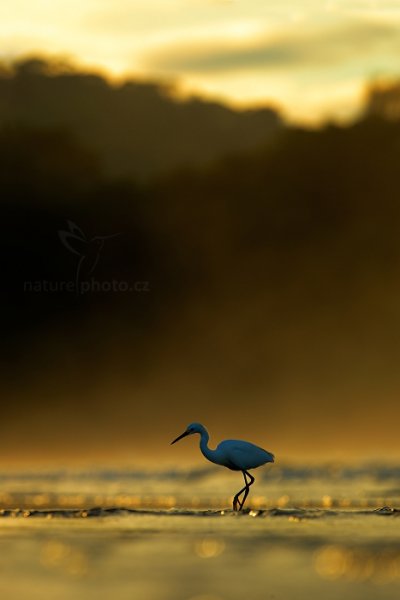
x=190 y=429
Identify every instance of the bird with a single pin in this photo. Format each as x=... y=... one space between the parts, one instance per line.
x=236 y=455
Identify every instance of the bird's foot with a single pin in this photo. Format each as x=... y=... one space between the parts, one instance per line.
x=237 y=505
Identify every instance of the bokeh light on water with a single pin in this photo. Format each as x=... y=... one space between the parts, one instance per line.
x=358 y=487
x=358 y=564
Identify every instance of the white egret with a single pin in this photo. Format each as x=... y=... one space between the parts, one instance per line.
x=236 y=455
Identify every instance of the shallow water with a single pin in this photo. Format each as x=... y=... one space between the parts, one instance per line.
x=142 y=535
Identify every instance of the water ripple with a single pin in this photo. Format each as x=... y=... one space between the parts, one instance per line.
x=291 y=513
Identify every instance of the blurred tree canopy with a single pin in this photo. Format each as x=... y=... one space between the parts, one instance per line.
x=301 y=226
x=137 y=128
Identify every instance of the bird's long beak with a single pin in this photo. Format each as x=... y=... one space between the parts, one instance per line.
x=184 y=434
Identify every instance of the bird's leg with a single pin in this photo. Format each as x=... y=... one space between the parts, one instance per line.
x=236 y=500
x=246 y=491
x=247 y=488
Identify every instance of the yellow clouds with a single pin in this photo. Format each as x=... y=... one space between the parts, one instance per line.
x=313 y=71
x=294 y=48
x=306 y=53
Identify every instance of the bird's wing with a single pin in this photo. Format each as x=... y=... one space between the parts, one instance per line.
x=244 y=455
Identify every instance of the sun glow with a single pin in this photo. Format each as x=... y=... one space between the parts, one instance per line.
x=311 y=58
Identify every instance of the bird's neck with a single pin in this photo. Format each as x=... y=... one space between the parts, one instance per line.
x=207 y=452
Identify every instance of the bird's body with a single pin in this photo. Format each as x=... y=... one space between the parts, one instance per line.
x=239 y=455
x=236 y=455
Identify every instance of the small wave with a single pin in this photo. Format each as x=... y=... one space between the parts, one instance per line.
x=291 y=513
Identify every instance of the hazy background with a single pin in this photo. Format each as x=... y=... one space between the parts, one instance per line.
x=251 y=277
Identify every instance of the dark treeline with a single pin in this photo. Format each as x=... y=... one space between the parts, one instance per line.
x=137 y=128
x=275 y=249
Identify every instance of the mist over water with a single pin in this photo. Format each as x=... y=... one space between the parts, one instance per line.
x=254 y=288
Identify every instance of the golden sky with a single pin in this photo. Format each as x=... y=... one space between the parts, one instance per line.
x=310 y=57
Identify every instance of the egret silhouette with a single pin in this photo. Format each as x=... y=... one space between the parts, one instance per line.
x=236 y=455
